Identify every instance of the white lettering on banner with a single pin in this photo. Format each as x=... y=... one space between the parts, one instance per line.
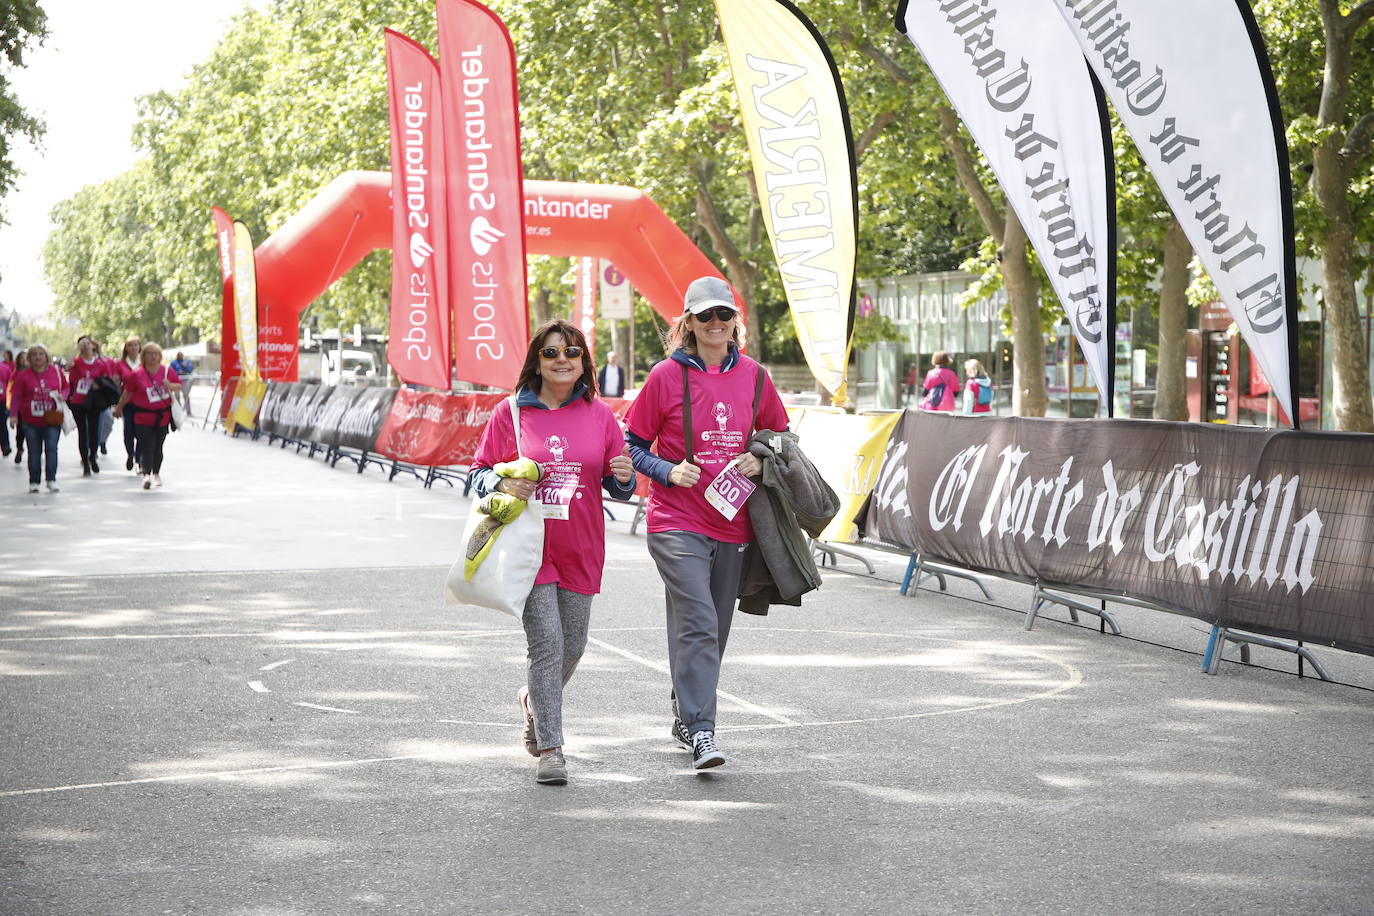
x=1251 y=539
x=800 y=209
x=1259 y=286
x=481 y=234
x=567 y=209
x=1070 y=254
x=419 y=203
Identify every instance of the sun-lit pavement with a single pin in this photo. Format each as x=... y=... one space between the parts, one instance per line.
x=242 y=693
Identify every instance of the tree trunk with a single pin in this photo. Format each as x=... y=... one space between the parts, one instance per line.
x=543 y=308
x=1171 y=385
x=1028 y=393
x=1331 y=169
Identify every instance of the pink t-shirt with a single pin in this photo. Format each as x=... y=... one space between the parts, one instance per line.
x=122 y=370
x=82 y=376
x=574 y=446
x=6 y=373
x=149 y=392
x=36 y=392
x=934 y=377
x=722 y=403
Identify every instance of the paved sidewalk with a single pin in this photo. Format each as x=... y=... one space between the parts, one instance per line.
x=242 y=694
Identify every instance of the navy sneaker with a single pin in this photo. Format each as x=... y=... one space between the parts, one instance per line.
x=705 y=754
x=679 y=733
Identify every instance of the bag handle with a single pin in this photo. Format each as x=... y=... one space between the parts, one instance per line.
x=515 y=422
x=687 y=410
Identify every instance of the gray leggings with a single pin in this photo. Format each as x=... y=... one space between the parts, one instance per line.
x=555 y=622
x=700 y=584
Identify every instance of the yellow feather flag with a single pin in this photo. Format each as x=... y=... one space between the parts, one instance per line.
x=801 y=144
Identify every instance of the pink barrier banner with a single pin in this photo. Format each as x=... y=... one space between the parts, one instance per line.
x=435 y=429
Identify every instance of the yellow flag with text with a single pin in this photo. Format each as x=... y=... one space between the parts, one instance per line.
x=848 y=451
x=245 y=303
x=800 y=141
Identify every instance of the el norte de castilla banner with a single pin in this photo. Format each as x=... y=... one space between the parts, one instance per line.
x=1019 y=82
x=801 y=144
x=1192 y=84
x=1261 y=530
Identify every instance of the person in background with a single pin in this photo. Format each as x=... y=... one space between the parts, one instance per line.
x=977 y=389
x=106 y=415
x=698 y=545
x=183 y=368
x=21 y=361
x=87 y=366
x=610 y=380
x=7 y=372
x=125 y=366
x=150 y=390
x=940 y=385
x=913 y=375
x=36 y=393
x=571 y=445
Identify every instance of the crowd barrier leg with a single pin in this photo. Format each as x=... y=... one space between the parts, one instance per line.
x=830 y=554
x=1043 y=596
x=1220 y=636
x=918 y=569
x=639 y=515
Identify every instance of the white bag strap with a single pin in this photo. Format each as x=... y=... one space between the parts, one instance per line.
x=515 y=421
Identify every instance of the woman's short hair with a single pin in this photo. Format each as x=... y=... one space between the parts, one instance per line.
x=572 y=336
x=150 y=347
x=130 y=340
x=38 y=347
x=973 y=368
x=940 y=358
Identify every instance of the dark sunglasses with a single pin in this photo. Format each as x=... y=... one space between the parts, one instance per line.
x=571 y=352
x=720 y=313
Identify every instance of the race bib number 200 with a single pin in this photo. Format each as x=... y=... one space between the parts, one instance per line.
x=728 y=493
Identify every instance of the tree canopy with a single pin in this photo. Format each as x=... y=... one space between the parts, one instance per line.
x=23 y=24
x=631 y=92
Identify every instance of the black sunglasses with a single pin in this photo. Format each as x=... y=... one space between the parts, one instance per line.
x=571 y=352
x=719 y=312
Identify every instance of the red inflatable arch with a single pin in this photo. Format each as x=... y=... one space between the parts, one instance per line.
x=351 y=218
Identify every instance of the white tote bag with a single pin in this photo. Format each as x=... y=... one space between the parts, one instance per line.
x=505 y=578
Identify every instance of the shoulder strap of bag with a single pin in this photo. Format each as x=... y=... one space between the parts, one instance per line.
x=758 y=390
x=687 y=415
x=515 y=423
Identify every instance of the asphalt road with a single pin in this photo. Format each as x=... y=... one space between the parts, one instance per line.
x=242 y=694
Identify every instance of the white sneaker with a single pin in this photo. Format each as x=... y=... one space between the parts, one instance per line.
x=157 y=480
x=33 y=488
x=53 y=487
x=147 y=481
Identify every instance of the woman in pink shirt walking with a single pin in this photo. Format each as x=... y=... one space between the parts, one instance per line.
x=148 y=394
x=7 y=373
x=571 y=446
x=87 y=366
x=701 y=404
x=125 y=366
x=36 y=393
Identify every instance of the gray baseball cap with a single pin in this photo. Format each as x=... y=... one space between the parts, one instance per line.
x=707 y=293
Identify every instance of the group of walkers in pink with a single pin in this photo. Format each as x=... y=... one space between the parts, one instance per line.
x=39 y=400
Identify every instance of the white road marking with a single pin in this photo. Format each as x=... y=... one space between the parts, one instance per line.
x=352 y=712
x=258 y=687
x=739 y=701
x=275 y=665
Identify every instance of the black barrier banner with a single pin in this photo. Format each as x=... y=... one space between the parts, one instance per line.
x=355 y=419
x=278 y=394
x=1270 y=531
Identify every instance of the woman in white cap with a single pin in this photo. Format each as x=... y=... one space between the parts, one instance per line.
x=701 y=404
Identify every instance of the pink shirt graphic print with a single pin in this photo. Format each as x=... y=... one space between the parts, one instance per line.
x=722 y=417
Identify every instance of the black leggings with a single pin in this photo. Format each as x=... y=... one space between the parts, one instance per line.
x=130 y=441
x=150 y=439
x=87 y=431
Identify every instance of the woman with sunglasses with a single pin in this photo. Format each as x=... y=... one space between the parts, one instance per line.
x=698 y=541
x=570 y=448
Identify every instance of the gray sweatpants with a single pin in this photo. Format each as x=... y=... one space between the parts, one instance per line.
x=700 y=585
x=555 y=621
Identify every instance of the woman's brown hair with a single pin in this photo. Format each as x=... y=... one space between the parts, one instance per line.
x=572 y=337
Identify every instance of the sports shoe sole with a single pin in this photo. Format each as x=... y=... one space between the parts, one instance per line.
x=709 y=761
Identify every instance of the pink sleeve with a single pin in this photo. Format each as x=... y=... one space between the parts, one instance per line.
x=172 y=377
x=645 y=416
x=615 y=439
x=498 y=438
